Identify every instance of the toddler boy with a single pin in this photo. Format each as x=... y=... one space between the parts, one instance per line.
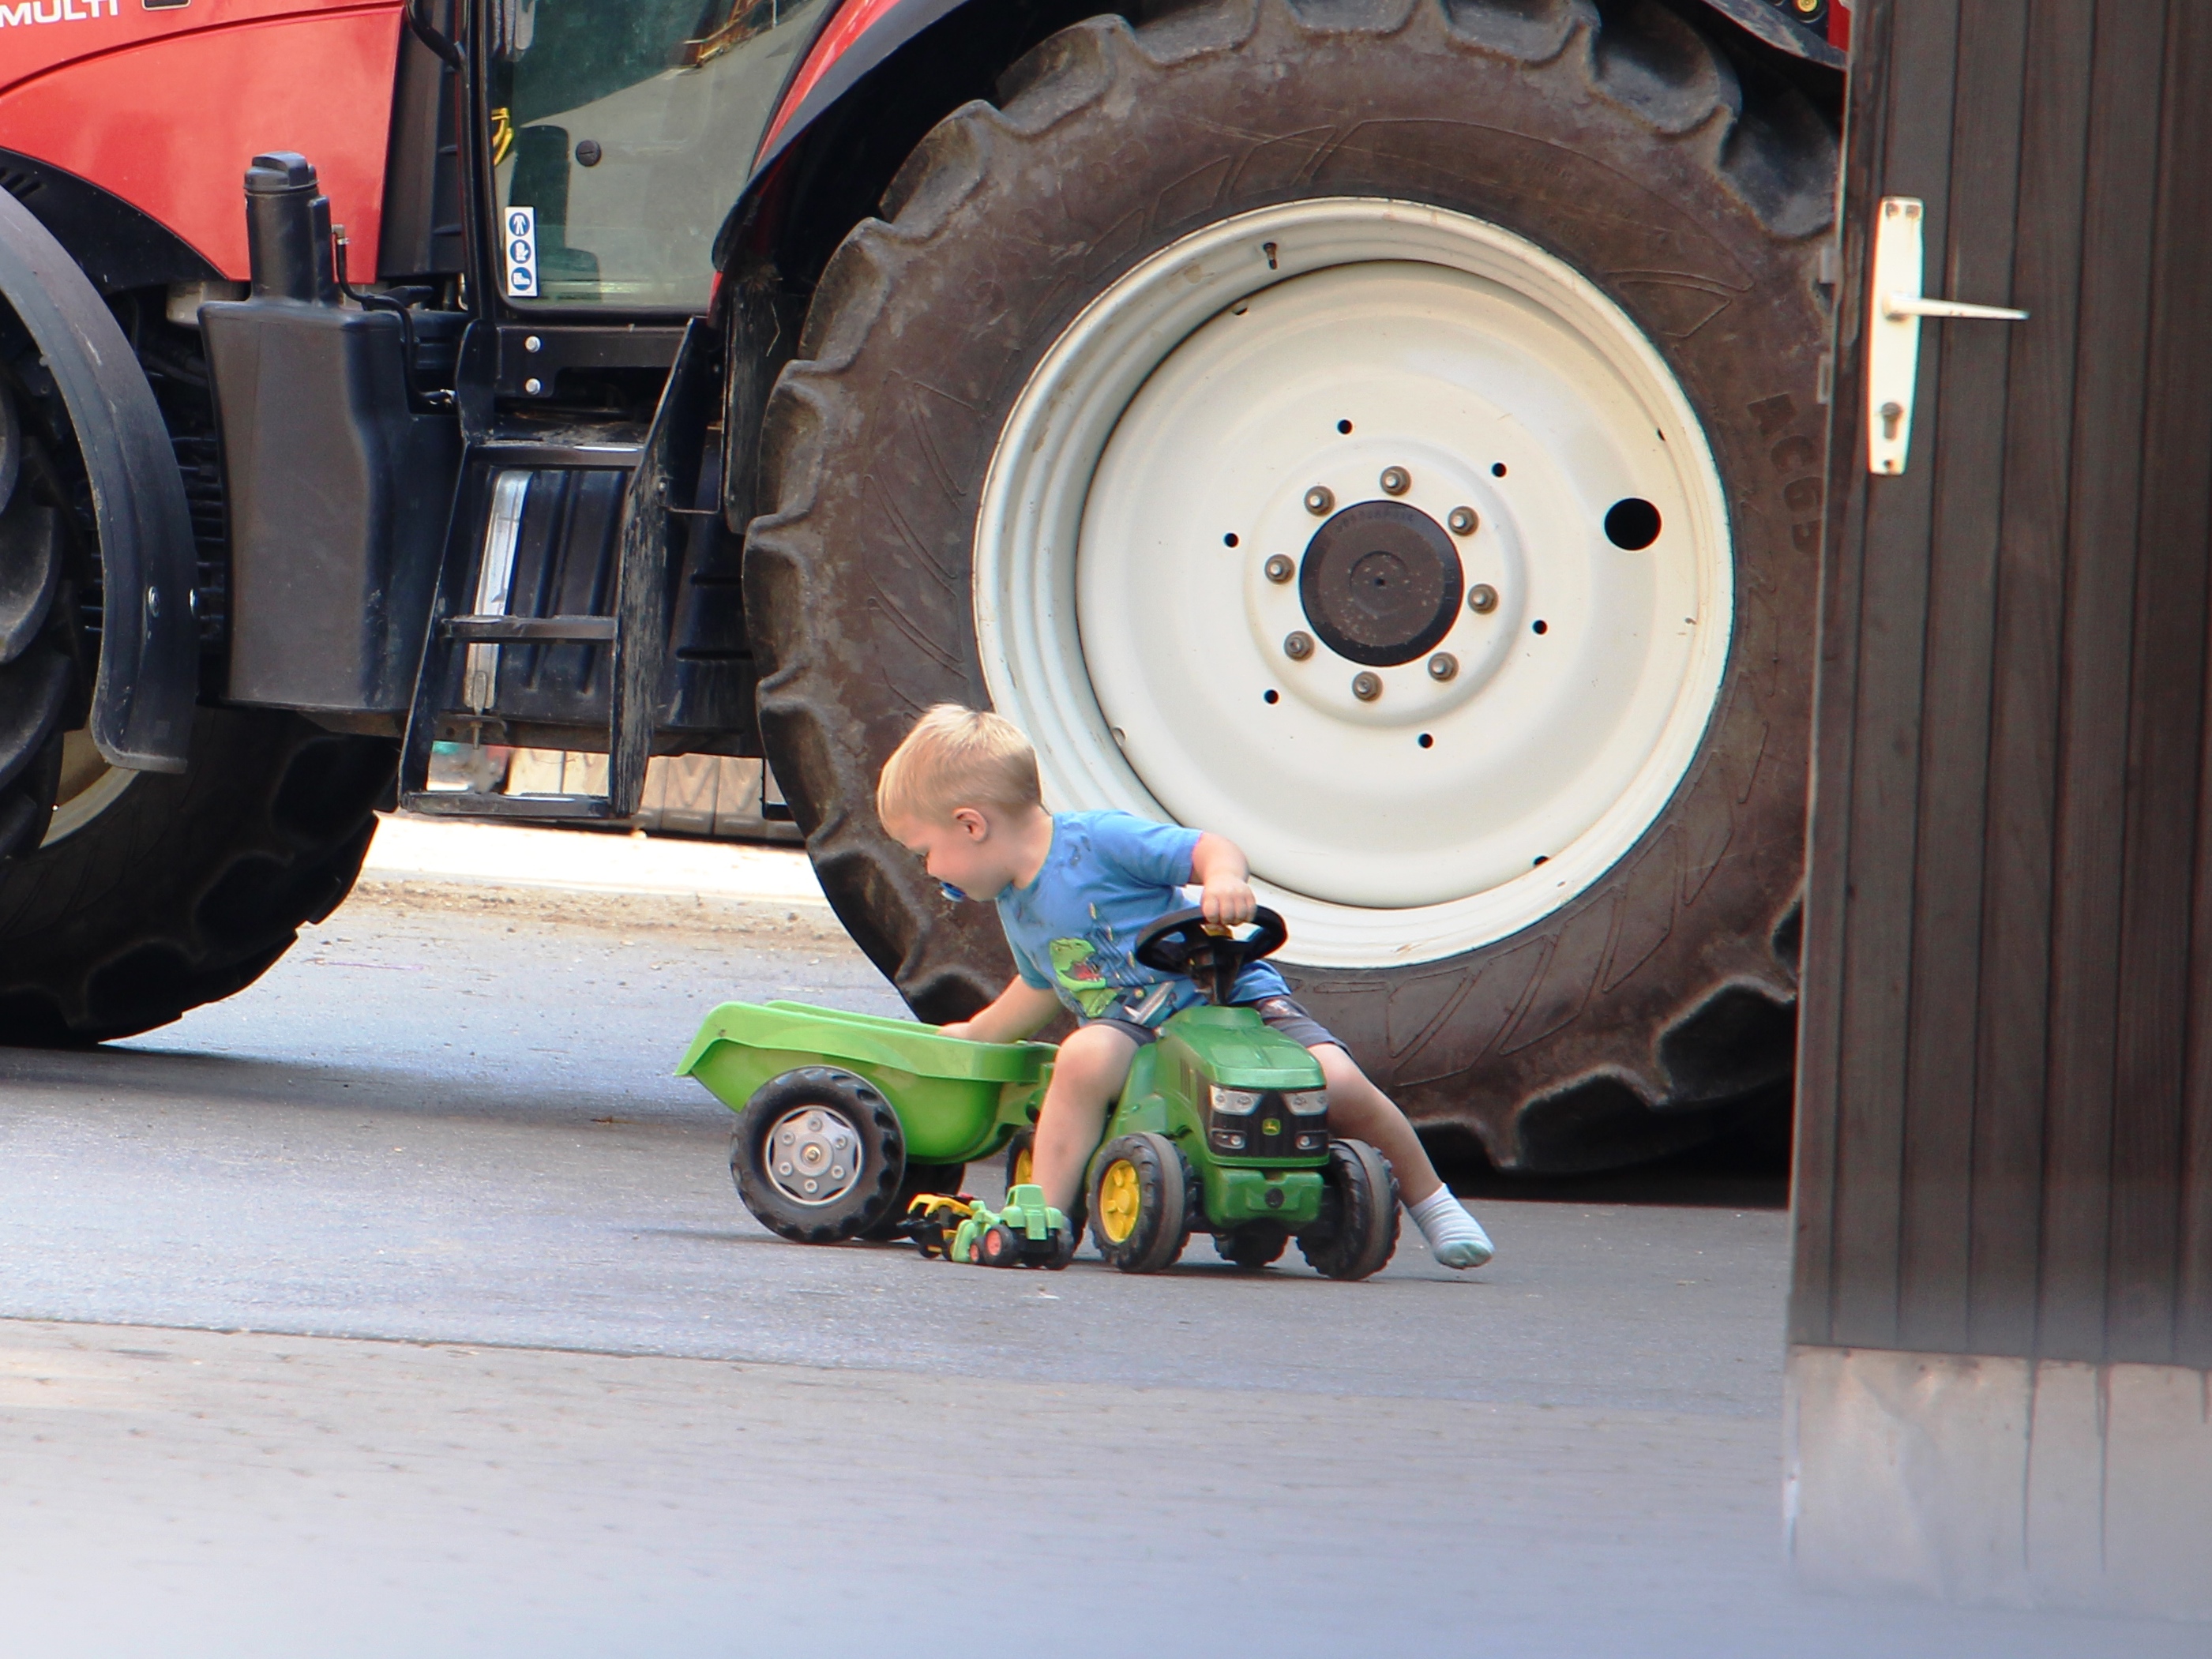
x=1074 y=892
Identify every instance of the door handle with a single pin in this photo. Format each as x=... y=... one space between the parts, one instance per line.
x=1894 y=306
x=1894 y=330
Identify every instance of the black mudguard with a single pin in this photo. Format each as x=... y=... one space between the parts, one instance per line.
x=149 y=678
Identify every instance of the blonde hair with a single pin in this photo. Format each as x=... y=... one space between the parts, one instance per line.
x=958 y=756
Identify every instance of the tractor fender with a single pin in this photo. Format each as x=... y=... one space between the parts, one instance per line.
x=148 y=676
x=862 y=36
x=859 y=35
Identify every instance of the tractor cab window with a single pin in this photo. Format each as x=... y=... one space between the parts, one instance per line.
x=621 y=134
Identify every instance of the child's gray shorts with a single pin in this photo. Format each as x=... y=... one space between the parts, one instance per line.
x=1283 y=1014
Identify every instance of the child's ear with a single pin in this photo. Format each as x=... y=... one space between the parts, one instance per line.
x=972 y=823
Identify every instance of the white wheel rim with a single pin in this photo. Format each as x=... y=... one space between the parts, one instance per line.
x=1136 y=648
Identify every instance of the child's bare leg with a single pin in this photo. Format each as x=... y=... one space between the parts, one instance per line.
x=1360 y=1111
x=1091 y=1066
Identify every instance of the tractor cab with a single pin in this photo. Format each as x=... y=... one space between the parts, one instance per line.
x=618 y=138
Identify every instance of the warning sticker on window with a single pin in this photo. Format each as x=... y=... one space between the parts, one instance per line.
x=521 y=253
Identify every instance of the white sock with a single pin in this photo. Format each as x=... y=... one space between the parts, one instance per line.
x=1454 y=1237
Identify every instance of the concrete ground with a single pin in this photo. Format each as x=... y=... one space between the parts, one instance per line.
x=403 y=1304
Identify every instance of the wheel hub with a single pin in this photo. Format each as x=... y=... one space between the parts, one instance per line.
x=813 y=1155
x=1119 y=1198
x=1380 y=583
x=1432 y=717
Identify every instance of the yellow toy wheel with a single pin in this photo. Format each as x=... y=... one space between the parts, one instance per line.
x=1119 y=1200
x=1021 y=1159
x=1142 y=1202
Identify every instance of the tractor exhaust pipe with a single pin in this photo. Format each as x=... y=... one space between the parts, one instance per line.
x=288 y=231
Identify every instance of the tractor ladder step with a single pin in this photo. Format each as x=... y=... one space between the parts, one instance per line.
x=482 y=609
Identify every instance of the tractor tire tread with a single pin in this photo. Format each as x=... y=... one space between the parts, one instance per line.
x=189 y=886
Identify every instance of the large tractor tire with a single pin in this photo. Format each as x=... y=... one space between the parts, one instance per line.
x=128 y=897
x=176 y=890
x=37 y=670
x=1387 y=433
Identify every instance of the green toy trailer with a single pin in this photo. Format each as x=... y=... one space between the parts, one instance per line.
x=844 y=1120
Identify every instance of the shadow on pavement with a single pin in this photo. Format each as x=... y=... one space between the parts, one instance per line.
x=1745 y=1167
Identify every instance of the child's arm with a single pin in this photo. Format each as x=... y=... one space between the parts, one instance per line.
x=1217 y=865
x=1021 y=1010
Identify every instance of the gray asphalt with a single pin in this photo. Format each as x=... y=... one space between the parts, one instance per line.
x=403 y=1302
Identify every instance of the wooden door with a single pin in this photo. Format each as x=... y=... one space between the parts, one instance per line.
x=2005 y=1120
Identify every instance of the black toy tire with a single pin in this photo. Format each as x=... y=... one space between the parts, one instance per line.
x=1358 y=1233
x=1164 y=1194
x=188 y=886
x=998 y=1248
x=1255 y=1245
x=919 y=1178
x=883 y=1149
x=1065 y=1244
x=1693 y=187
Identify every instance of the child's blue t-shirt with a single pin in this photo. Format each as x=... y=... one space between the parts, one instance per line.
x=1108 y=877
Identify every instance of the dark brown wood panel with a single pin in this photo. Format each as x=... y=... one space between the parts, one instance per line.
x=1879 y=841
x=2167 y=728
x=2005 y=1127
x=1966 y=473
x=2022 y=897
x=2101 y=611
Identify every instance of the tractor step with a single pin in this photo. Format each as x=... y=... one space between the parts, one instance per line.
x=534 y=809
x=495 y=629
x=553 y=588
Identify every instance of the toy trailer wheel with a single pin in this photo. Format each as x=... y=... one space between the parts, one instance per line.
x=817 y=1154
x=1140 y=1202
x=1358 y=1232
x=1251 y=1246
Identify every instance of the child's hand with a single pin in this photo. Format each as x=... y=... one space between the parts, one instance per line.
x=958 y=1028
x=1221 y=870
x=1227 y=900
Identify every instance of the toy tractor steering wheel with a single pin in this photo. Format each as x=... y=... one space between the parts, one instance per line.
x=1183 y=942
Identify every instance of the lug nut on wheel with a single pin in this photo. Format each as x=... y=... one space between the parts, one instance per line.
x=1397 y=481
x=1298 y=646
x=1443 y=666
x=1461 y=520
x=1319 y=500
x=1482 y=598
x=1366 y=687
x=1280 y=568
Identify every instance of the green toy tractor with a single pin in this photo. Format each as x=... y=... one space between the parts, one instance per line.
x=1024 y=1231
x=845 y=1121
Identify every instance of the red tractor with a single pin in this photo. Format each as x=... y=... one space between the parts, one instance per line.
x=1388 y=432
